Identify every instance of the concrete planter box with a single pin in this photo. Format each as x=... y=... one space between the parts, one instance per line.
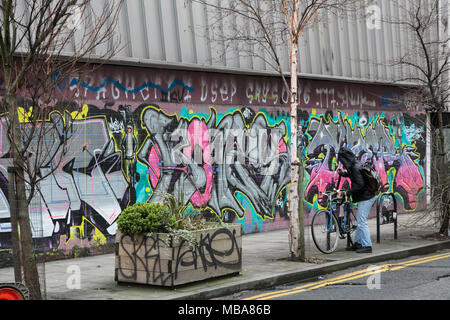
x=158 y=260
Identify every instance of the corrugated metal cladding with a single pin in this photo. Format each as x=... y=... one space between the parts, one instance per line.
x=181 y=33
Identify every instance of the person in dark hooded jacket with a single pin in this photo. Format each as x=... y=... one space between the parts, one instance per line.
x=360 y=194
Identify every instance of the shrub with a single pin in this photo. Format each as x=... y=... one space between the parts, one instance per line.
x=169 y=216
x=146 y=218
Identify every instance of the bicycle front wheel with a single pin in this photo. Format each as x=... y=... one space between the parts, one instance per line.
x=325 y=232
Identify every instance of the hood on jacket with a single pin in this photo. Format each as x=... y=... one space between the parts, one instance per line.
x=346 y=157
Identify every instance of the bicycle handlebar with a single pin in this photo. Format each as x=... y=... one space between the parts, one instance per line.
x=335 y=192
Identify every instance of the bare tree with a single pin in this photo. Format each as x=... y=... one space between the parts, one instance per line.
x=427 y=64
x=42 y=42
x=261 y=29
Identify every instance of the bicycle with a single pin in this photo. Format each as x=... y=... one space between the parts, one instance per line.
x=327 y=223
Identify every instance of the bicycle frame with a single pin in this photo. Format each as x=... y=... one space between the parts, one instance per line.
x=335 y=213
x=333 y=204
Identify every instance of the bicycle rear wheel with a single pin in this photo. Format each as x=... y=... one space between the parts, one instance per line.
x=325 y=232
x=351 y=221
x=350 y=226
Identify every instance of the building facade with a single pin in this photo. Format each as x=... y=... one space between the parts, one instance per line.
x=165 y=116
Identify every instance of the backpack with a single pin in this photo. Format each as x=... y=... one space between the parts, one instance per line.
x=371 y=177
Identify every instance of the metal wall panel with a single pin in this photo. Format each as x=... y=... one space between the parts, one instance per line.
x=363 y=49
x=304 y=53
x=185 y=32
x=388 y=38
x=325 y=43
x=201 y=34
x=380 y=47
x=138 y=29
x=155 y=35
x=397 y=40
x=353 y=44
x=178 y=33
x=170 y=31
x=345 y=47
x=314 y=49
x=335 y=45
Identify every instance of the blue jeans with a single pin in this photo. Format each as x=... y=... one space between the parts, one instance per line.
x=362 y=231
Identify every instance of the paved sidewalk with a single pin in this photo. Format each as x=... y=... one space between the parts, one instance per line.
x=265 y=264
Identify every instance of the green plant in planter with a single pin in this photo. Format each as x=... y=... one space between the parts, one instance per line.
x=185 y=221
x=188 y=220
x=146 y=218
x=171 y=216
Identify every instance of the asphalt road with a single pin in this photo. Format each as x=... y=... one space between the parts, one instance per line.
x=416 y=278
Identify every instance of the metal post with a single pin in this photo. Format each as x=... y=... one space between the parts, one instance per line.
x=396 y=216
x=347 y=224
x=378 y=217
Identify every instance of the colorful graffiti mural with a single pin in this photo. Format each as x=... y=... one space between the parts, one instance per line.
x=137 y=137
x=224 y=168
x=395 y=147
x=120 y=157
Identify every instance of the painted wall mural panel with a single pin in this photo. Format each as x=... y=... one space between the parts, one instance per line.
x=395 y=141
x=220 y=140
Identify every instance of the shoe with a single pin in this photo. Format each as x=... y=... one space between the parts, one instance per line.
x=354 y=247
x=364 y=250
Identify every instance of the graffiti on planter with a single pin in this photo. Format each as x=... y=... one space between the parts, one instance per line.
x=152 y=260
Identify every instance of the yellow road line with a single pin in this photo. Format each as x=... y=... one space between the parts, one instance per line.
x=365 y=274
x=342 y=277
x=348 y=276
x=306 y=285
x=433 y=258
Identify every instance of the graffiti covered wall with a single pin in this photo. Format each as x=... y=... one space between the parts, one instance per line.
x=220 y=140
x=395 y=141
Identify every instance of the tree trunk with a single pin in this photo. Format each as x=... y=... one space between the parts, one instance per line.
x=30 y=272
x=445 y=214
x=443 y=178
x=16 y=252
x=293 y=199
x=301 y=220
